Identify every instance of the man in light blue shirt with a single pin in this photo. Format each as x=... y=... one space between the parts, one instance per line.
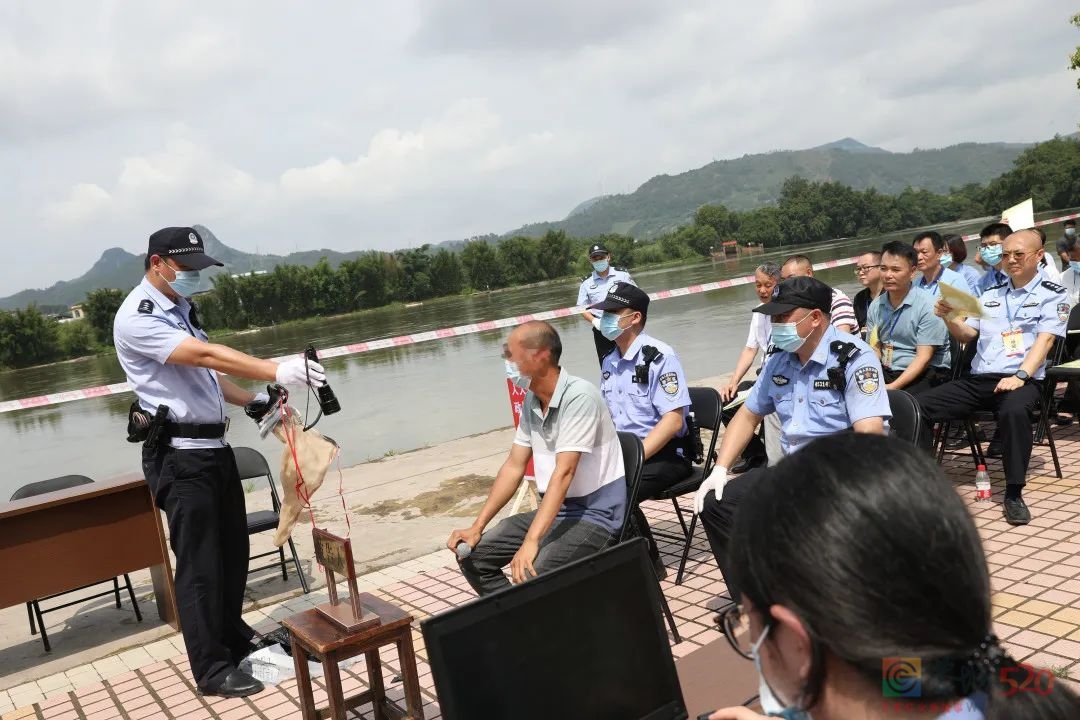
x=820 y=381
x=929 y=247
x=190 y=469
x=1021 y=321
x=594 y=288
x=645 y=389
x=991 y=239
x=912 y=342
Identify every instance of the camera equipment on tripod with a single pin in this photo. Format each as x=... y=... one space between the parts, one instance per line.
x=328 y=402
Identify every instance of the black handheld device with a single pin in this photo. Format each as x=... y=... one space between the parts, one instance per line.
x=327 y=400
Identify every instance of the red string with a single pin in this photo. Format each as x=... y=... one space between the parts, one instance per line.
x=289 y=433
x=341 y=491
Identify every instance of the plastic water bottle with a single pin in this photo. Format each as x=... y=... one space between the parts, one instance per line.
x=982 y=485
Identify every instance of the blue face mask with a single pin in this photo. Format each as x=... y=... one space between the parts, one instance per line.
x=786 y=335
x=600 y=265
x=609 y=326
x=946 y=259
x=991 y=255
x=1075 y=265
x=771 y=704
x=186 y=283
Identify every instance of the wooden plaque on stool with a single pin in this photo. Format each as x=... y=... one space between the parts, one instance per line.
x=335 y=555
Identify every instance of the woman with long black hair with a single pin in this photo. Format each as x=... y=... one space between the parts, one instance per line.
x=865 y=594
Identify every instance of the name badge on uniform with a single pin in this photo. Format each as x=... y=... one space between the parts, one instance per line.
x=887 y=354
x=1013 y=341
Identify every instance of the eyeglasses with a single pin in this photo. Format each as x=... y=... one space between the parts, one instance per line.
x=860 y=269
x=735 y=625
x=1015 y=255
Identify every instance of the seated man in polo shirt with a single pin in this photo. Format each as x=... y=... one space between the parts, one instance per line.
x=910 y=339
x=567 y=431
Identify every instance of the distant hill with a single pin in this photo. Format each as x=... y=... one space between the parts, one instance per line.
x=745 y=183
x=117 y=268
x=661 y=204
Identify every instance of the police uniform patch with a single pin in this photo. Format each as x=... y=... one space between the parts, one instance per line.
x=669 y=382
x=1063 y=311
x=868 y=380
x=992 y=303
x=146 y=307
x=822 y=385
x=1030 y=304
x=1053 y=286
x=780 y=380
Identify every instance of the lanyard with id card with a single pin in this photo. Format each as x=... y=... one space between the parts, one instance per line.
x=887 y=346
x=1013 y=338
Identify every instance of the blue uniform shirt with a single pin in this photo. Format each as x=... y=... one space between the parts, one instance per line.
x=637 y=407
x=803 y=398
x=147 y=329
x=908 y=326
x=972 y=274
x=1040 y=306
x=945 y=275
x=991 y=278
x=595 y=288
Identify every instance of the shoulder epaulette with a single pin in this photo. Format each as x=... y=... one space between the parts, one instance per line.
x=995 y=287
x=1053 y=286
x=586 y=278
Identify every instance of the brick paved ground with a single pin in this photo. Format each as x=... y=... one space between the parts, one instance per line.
x=1035 y=575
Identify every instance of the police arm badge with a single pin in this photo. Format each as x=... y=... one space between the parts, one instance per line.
x=868 y=380
x=669 y=382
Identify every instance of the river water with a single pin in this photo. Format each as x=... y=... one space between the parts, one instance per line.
x=403 y=398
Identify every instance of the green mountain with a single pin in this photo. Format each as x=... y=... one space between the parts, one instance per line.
x=117 y=268
x=661 y=204
x=667 y=201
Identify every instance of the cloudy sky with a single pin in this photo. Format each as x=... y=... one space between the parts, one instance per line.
x=342 y=124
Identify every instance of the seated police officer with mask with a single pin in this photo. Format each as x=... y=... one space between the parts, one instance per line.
x=643 y=384
x=819 y=382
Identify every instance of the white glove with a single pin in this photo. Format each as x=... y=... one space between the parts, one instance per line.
x=714 y=483
x=298 y=370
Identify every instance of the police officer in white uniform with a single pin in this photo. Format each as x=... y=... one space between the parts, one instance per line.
x=821 y=381
x=594 y=288
x=645 y=388
x=191 y=471
x=1021 y=320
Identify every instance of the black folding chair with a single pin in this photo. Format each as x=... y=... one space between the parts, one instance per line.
x=1041 y=411
x=33 y=608
x=251 y=464
x=707 y=407
x=907 y=419
x=633 y=459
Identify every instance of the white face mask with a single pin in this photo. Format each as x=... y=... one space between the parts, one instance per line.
x=770 y=704
x=519 y=380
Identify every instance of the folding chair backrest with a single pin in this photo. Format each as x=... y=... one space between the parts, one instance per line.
x=633 y=459
x=967 y=356
x=707 y=407
x=51 y=485
x=956 y=358
x=906 y=422
x=251 y=463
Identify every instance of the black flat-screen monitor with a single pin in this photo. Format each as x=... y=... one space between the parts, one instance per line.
x=584 y=641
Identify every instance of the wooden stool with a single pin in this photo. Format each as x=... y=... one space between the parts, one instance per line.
x=310 y=631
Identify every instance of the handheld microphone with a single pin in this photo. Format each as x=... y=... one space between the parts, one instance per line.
x=463 y=550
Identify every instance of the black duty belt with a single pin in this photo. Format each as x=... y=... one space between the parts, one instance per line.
x=196 y=431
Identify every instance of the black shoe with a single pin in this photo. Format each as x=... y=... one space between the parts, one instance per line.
x=236 y=684
x=993 y=450
x=1016 y=512
x=747 y=464
x=1063 y=419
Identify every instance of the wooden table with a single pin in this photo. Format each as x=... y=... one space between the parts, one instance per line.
x=57 y=541
x=310 y=631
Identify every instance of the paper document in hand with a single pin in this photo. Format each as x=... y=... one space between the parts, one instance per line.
x=961 y=302
x=1020 y=217
x=738 y=400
